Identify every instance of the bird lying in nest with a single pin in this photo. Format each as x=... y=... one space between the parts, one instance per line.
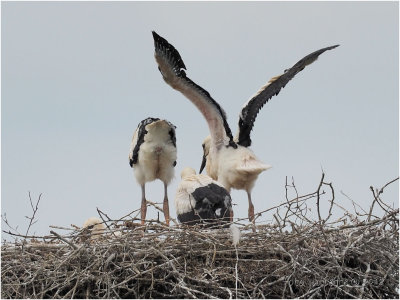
x=201 y=200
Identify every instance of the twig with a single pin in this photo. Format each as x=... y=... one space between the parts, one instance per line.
x=34 y=209
x=157 y=207
x=63 y=239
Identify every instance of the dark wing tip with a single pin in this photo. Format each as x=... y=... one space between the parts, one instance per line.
x=250 y=111
x=157 y=38
x=166 y=49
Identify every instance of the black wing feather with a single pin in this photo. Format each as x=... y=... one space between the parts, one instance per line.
x=254 y=105
x=211 y=198
x=166 y=50
x=141 y=133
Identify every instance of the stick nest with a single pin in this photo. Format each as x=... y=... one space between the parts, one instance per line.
x=292 y=257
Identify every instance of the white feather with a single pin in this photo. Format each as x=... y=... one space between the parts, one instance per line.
x=189 y=183
x=235 y=234
x=233 y=168
x=156 y=154
x=97 y=229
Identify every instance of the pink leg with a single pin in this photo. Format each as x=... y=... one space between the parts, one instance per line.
x=166 y=206
x=251 y=211
x=251 y=208
x=143 y=209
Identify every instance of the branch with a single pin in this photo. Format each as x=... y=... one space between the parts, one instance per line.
x=34 y=209
x=64 y=240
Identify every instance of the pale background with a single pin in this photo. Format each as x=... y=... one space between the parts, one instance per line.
x=78 y=77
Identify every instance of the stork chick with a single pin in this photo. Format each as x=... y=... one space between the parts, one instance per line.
x=227 y=159
x=95 y=227
x=201 y=200
x=153 y=156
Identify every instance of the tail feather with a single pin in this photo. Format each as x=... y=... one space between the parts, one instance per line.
x=252 y=166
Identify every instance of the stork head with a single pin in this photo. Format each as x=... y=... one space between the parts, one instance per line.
x=186 y=172
x=206 y=149
x=157 y=125
x=95 y=227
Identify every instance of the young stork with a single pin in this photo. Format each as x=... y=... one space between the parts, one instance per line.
x=200 y=199
x=153 y=156
x=227 y=159
x=95 y=227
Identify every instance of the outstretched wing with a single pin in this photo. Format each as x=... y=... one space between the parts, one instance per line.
x=172 y=69
x=252 y=107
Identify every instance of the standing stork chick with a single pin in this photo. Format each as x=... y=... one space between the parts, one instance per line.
x=227 y=159
x=201 y=200
x=153 y=156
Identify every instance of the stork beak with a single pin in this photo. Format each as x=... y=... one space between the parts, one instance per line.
x=203 y=164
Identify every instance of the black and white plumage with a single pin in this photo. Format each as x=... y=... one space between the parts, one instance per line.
x=152 y=156
x=202 y=200
x=227 y=159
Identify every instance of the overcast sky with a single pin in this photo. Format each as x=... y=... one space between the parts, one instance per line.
x=77 y=78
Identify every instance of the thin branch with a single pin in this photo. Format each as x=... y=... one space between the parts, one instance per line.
x=34 y=210
x=63 y=239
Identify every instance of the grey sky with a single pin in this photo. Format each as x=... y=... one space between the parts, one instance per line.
x=78 y=77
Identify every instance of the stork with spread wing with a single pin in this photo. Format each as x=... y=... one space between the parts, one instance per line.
x=228 y=160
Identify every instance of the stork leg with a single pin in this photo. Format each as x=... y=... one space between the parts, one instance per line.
x=251 y=210
x=143 y=209
x=165 y=205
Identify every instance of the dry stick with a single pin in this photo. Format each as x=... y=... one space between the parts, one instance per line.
x=127 y=215
x=4 y=218
x=64 y=240
x=182 y=282
x=332 y=201
x=363 y=224
x=26 y=236
x=104 y=221
x=300 y=198
x=376 y=200
x=347 y=213
x=365 y=280
x=390 y=182
x=236 y=271
x=306 y=197
x=318 y=199
x=376 y=197
x=287 y=200
x=34 y=209
x=298 y=206
x=155 y=205
x=354 y=204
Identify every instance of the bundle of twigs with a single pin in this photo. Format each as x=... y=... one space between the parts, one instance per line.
x=293 y=257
